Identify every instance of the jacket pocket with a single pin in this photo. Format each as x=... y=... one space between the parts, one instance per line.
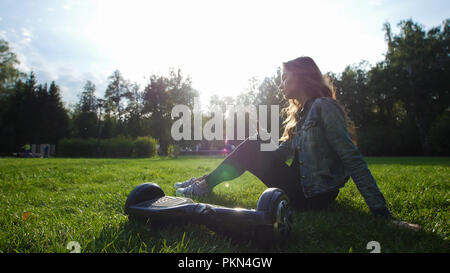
x=309 y=124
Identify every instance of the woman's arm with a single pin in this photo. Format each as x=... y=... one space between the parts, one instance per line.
x=284 y=151
x=336 y=133
x=333 y=121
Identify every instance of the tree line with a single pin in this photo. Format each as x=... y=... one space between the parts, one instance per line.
x=400 y=106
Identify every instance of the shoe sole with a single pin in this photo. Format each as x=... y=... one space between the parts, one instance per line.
x=180 y=186
x=179 y=193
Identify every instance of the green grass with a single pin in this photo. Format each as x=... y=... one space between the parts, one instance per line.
x=82 y=200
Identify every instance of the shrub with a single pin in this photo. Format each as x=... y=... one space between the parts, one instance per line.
x=117 y=147
x=145 y=147
x=173 y=150
x=439 y=132
x=380 y=140
x=77 y=147
x=112 y=147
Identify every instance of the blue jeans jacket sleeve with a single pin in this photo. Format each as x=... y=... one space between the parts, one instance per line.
x=284 y=150
x=333 y=121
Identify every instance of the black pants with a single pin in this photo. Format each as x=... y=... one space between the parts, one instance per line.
x=272 y=171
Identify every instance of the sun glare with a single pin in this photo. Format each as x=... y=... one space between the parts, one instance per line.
x=217 y=44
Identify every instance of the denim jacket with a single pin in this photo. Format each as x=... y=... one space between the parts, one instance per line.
x=328 y=157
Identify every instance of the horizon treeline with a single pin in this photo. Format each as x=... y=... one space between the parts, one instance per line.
x=400 y=106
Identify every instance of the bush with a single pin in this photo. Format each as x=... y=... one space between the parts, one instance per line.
x=173 y=150
x=439 y=132
x=77 y=147
x=380 y=140
x=117 y=147
x=371 y=139
x=112 y=147
x=145 y=147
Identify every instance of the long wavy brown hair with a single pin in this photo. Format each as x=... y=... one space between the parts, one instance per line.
x=316 y=85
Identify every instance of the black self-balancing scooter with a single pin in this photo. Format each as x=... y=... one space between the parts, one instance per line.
x=271 y=222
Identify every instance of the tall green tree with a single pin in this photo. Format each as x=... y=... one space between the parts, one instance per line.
x=34 y=114
x=115 y=94
x=160 y=95
x=14 y=131
x=353 y=92
x=9 y=73
x=57 y=117
x=85 y=120
x=134 y=118
x=11 y=80
x=268 y=94
x=27 y=122
x=88 y=99
x=419 y=60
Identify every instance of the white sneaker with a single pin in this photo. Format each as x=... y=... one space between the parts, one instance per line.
x=198 y=188
x=187 y=183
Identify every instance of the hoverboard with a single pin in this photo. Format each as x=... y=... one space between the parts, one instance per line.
x=270 y=222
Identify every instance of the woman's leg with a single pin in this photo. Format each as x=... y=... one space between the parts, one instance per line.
x=263 y=164
x=272 y=171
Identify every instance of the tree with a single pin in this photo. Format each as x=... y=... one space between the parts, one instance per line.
x=57 y=121
x=12 y=133
x=420 y=65
x=26 y=118
x=88 y=100
x=134 y=118
x=34 y=114
x=85 y=120
x=368 y=95
x=117 y=90
x=160 y=95
x=9 y=73
x=268 y=94
x=353 y=92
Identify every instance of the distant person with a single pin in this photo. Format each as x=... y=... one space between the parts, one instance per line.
x=228 y=147
x=46 y=152
x=158 y=149
x=320 y=138
x=27 y=149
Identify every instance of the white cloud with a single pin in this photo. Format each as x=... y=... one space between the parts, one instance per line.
x=63 y=72
x=26 y=32
x=3 y=35
x=26 y=37
x=69 y=4
x=375 y=2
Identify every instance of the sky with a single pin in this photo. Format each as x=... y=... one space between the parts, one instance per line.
x=220 y=45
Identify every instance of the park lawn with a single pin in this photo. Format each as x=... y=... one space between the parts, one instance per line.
x=46 y=203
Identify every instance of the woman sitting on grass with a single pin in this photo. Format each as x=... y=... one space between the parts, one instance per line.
x=320 y=137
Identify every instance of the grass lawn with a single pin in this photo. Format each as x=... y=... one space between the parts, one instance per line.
x=46 y=203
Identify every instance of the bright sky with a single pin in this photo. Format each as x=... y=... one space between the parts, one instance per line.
x=220 y=44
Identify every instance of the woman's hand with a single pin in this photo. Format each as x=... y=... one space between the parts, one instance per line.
x=404 y=224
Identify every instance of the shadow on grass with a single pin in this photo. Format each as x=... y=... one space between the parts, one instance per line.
x=410 y=161
x=145 y=236
x=343 y=228
x=340 y=228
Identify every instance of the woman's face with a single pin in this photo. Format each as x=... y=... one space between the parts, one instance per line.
x=289 y=85
x=292 y=87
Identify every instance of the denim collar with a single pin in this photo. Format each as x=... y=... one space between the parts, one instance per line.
x=305 y=109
